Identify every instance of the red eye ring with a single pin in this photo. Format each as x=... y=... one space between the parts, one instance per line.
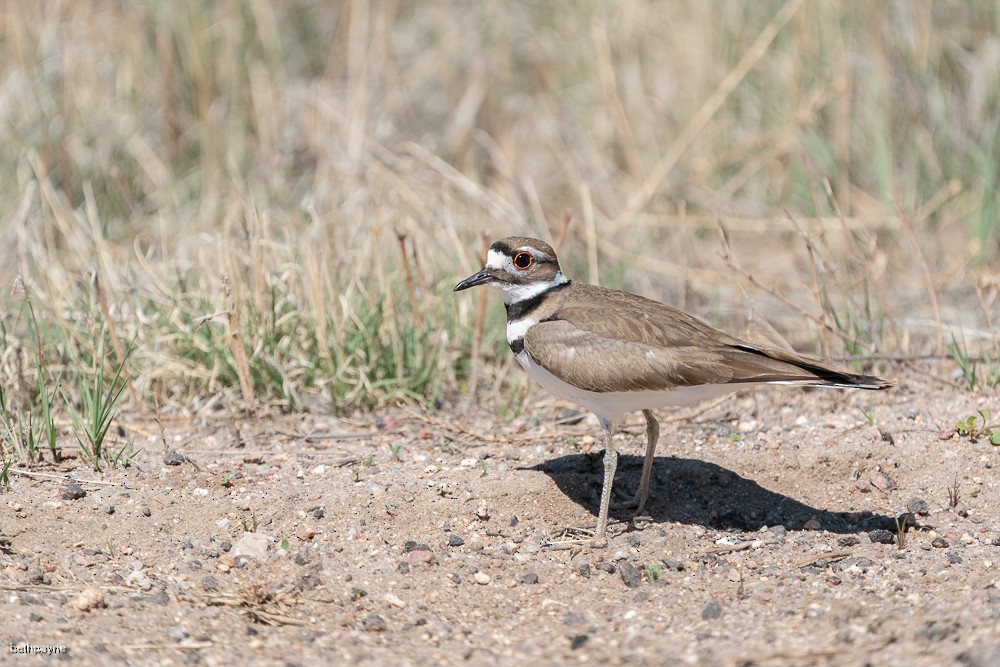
x=523 y=260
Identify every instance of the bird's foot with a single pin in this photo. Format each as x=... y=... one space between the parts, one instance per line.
x=637 y=503
x=570 y=537
x=626 y=505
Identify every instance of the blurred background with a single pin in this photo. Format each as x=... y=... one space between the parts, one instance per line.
x=319 y=175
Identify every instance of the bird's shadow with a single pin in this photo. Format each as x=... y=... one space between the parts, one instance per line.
x=697 y=492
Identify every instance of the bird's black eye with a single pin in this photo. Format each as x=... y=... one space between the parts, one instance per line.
x=522 y=260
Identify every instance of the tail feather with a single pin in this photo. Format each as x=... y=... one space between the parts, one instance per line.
x=822 y=374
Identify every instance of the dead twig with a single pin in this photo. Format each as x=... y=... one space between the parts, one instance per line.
x=236 y=345
x=314 y=437
x=927 y=274
x=411 y=292
x=477 y=330
x=730 y=548
x=813 y=558
x=61 y=478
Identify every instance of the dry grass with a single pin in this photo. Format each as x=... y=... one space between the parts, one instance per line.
x=336 y=165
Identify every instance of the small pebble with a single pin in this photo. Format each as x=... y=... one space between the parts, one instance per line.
x=318 y=513
x=482 y=578
x=454 y=540
x=146 y=512
x=174 y=459
x=630 y=574
x=712 y=611
x=882 y=536
x=90 y=598
x=420 y=556
x=374 y=623
x=882 y=481
x=530 y=578
x=403 y=567
x=918 y=506
x=605 y=566
x=72 y=492
x=251 y=545
x=849 y=541
x=583 y=569
x=939 y=543
x=109 y=509
x=39 y=577
x=954 y=558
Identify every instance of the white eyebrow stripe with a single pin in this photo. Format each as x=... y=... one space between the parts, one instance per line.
x=495 y=259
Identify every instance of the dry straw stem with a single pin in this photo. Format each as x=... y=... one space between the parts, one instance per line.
x=298 y=159
x=733 y=262
x=236 y=345
x=410 y=290
x=928 y=280
x=649 y=185
x=779 y=143
x=824 y=338
x=857 y=251
x=477 y=330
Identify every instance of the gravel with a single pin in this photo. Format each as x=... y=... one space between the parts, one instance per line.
x=630 y=575
x=73 y=492
x=379 y=578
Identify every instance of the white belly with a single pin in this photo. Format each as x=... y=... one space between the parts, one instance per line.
x=611 y=406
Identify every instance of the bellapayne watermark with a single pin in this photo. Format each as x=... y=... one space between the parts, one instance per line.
x=31 y=649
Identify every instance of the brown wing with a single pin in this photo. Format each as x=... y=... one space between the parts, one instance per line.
x=606 y=341
x=588 y=360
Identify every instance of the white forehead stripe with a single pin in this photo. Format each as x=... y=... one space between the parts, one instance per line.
x=495 y=259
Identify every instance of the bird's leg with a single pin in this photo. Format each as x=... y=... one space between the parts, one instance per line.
x=652 y=435
x=598 y=538
x=610 y=464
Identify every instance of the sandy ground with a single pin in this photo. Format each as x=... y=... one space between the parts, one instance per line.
x=435 y=539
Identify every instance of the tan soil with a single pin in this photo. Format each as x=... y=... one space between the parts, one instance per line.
x=799 y=484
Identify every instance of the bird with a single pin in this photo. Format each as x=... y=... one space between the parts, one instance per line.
x=613 y=352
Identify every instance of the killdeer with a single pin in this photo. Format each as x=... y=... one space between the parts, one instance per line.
x=613 y=352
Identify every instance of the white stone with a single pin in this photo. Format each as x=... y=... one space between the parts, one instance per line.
x=251 y=545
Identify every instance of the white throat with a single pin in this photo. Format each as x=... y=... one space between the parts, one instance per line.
x=515 y=293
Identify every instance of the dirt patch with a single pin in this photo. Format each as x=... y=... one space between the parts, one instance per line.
x=411 y=538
